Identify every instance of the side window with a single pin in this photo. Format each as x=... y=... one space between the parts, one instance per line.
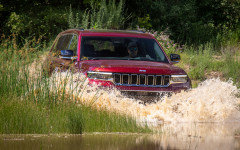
x=73 y=44
x=66 y=42
x=160 y=55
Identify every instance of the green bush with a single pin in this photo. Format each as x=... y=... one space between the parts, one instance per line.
x=45 y=23
x=189 y=21
x=144 y=22
x=103 y=15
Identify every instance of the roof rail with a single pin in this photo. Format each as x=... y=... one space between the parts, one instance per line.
x=139 y=31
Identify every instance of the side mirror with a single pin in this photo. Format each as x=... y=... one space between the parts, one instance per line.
x=67 y=54
x=175 y=58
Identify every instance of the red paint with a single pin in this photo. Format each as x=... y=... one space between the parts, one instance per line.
x=127 y=66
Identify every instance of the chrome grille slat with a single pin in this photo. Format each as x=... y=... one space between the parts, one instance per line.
x=150 y=80
x=117 y=78
x=141 y=80
x=158 y=80
x=125 y=79
x=166 y=80
x=134 y=79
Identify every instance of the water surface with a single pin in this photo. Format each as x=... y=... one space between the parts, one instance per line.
x=195 y=136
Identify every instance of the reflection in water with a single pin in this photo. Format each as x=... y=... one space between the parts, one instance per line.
x=93 y=141
x=202 y=135
x=197 y=136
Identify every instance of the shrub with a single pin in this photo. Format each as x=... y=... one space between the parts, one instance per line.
x=103 y=15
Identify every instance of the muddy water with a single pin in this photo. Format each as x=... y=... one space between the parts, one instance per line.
x=207 y=117
x=198 y=136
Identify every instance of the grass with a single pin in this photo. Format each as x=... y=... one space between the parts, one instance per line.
x=29 y=106
x=27 y=117
x=205 y=63
x=217 y=58
x=103 y=15
x=21 y=117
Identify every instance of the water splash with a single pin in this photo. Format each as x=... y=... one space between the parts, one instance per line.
x=213 y=101
x=207 y=117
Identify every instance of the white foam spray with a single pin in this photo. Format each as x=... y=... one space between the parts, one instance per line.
x=213 y=101
x=207 y=117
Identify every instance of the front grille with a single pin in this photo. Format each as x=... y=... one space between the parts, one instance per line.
x=141 y=80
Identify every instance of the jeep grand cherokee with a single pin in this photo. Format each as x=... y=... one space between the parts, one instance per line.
x=104 y=56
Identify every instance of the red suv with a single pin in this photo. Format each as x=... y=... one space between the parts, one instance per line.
x=131 y=61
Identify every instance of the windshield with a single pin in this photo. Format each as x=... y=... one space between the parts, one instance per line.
x=121 y=48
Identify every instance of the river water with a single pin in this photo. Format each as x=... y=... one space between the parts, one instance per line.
x=206 y=117
x=198 y=136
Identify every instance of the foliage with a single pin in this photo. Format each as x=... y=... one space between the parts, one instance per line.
x=189 y=21
x=15 y=23
x=220 y=56
x=44 y=24
x=41 y=21
x=144 y=22
x=73 y=20
x=231 y=67
x=101 y=15
x=202 y=62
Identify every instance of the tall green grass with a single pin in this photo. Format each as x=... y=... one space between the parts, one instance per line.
x=222 y=58
x=28 y=105
x=101 y=15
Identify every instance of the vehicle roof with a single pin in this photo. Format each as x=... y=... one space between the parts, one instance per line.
x=106 y=32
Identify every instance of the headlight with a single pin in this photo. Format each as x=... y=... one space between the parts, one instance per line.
x=178 y=78
x=100 y=75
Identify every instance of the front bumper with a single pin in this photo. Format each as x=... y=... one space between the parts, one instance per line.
x=172 y=88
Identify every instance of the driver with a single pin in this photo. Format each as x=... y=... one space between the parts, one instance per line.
x=132 y=49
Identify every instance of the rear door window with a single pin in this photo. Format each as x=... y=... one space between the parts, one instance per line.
x=66 y=42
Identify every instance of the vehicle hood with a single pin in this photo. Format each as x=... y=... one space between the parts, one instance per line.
x=130 y=66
